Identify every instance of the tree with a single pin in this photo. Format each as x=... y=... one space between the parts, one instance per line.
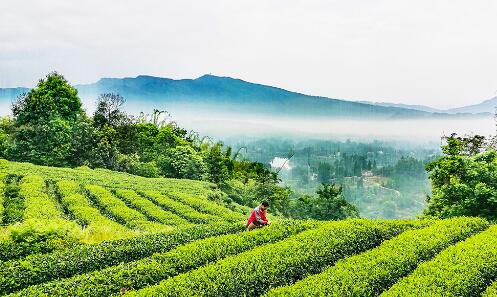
x=182 y=162
x=6 y=126
x=331 y=205
x=108 y=111
x=324 y=172
x=47 y=122
x=464 y=181
x=369 y=166
x=105 y=152
x=218 y=164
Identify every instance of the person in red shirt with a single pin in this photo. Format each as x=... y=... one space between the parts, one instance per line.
x=257 y=218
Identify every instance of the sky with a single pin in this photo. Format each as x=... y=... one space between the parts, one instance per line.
x=441 y=53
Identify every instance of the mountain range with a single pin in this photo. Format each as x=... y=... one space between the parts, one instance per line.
x=487 y=106
x=214 y=94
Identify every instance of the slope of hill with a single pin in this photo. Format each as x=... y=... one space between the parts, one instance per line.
x=109 y=205
x=165 y=237
x=408 y=106
x=216 y=94
x=224 y=94
x=486 y=106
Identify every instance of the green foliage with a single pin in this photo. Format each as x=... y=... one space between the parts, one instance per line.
x=219 y=166
x=370 y=273
x=97 y=226
x=148 y=169
x=202 y=204
x=35 y=269
x=179 y=208
x=48 y=124
x=253 y=272
x=6 y=127
x=2 y=195
x=182 y=162
x=404 y=171
x=121 y=212
x=491 y=291
x=13 y=203
x=43 y=219
x=253 y=191
x=108 y=111
x=52 y=97
x=329 y=204
x=150 y=209
x=105 y=152
x=111 y=179
x=464 y=184
x=464 y=269
x=139 y=274
x=324 y=172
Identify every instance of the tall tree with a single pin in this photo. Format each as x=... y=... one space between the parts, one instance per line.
x=464 y=180
x=108 y=111
x=49 y=124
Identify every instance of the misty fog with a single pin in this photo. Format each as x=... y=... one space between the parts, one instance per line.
x=412 y=131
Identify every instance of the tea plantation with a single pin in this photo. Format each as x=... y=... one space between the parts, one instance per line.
x=84 y=232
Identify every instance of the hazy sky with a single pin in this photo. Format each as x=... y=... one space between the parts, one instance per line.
x=439 y=53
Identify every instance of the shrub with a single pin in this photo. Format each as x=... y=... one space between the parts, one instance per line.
x=254 y=272
x=2 y=194
x=97 y=226
x=148 y=169
x=370 y=273
x=150 y=209
x=13 y=204
x=179 y=208
x=43 y=220
x=35 y=269
x=464 y=269
x=148 y=271
x=491 y=291
x=204 y=205
x=119 y=210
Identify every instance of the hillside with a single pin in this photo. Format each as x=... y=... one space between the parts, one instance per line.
x=219 y=95
x=165 y=237
x=487 y=106
x=105 y=204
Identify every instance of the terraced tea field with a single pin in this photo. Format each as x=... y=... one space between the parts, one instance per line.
x=83 y=232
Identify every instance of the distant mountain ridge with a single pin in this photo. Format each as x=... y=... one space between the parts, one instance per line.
x=487 y=106
x=216 y=94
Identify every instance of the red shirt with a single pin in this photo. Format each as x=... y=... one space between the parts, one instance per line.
x=257 y=215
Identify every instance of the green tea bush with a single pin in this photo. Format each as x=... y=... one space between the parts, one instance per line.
x=464 y=269
x=119 y=210
x=179 y=208
x=254 y=272
x=111 y=179
x=204 y=205
x=491 y=290
x=148 y=271
x=370 y=273
x=97 y=226
x=38 y=205
x=35 y=269
x=44 y=228
x=2 y=194
x=150 y=209
x=13 y=204
x=43 y=218
x=27 y=239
